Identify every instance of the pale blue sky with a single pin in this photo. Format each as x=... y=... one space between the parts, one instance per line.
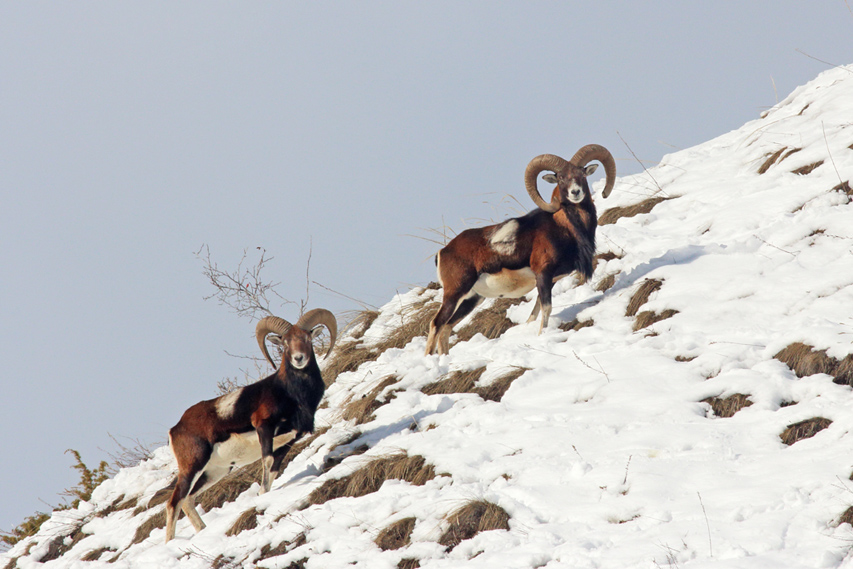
x=133 y=133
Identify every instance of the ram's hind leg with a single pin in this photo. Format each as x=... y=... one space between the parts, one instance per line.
x=189 y=509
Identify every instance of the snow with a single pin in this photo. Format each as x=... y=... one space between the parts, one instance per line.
x=602 y=453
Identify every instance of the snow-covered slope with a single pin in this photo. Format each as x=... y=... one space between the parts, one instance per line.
x=602 y=452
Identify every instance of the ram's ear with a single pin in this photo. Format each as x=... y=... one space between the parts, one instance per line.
x=550 y=178
x=316 y=332
x=590 y=170
x=275 y=339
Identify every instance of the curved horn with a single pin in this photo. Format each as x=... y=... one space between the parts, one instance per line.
x=320 y=317
x=592 y=152
x=270 y=325
x=534 y=168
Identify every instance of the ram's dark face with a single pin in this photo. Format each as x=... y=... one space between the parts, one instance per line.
x=297 y=346
x=572 y=182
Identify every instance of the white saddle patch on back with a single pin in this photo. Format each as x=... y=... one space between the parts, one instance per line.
x=225 y=404
x=507 y=283
x=503 y=238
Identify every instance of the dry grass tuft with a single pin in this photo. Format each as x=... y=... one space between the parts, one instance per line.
x=416 y=320
x=332 y=462
x=144 y=530
x=245 y=521
x=396 y=535
x=497 y=388
x=606 y=256
x=804 y=361
x=725 y=408
x=472 y=518
x=268 y=551
x=647 y=318
x=804 y=430
x=575 y=325
x=95 y=554
x=362 y=409
x=369 y=478
x=771 y=159
x=644 y=291
x=844 y=187
x=490 y=322
x=807 y=169
x=409 y=563
x=58 y=546
x=347 y=356
x=846 y=517
x=606 y=282
x=685 y=359
x=455 y=382
x=614 y=214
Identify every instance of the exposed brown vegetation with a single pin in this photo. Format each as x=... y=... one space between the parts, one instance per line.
x=245 y=521
x=396 y=535
x=409 y=563
x=465 y=382
x=641 y=296
x=268 y=551
x=685 y=359
x=725 y=408
x=362 y=409
x=144 y=529
x=472 y=518
x=844 y=187
x=648 y=317
x=846 y=517
x=332 y=462
x=605 y=256
x=606 y=282
x=614 y=214
x=95 y=554
x=771 y=159
x=575 y=325
x=369 y=478
x=807 y=169
x=490 y=322
x=58 y=546
x=804 y=430
x=804 y=361
x=455 y=382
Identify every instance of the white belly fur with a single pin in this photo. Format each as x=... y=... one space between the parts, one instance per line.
x=507 y=283
x=241 y=449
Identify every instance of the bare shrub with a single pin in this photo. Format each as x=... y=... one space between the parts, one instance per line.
x=362 y=409
x=245 y=521
x=472 y=518
x=491 y=322
x=648 y=317
x=641 y=296
x=614 y=214
x=804 y=430
x=725 y=408
x=369 y=478
x=396 y=535
x=807 y=169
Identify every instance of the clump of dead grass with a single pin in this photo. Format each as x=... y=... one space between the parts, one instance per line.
x=490 y=322
x=95 y=554
x=144 y=529
x=268 y=551
x=245 y=521
x=804 y=430
x=807 y=169
x=361 y=410
x=804 y=361
x=575 y=325
x=641 y=296
x=465 y=382
x=472 y=518
x=332 y=462
x=771 y=159
x=606 y=282
x=844 y=187
x=369 y=478
x=614 y=214
x=396 y=535
x=409 y=563
x=62 y=544
x=648 y=317
x=725 y=408
x=846 y=517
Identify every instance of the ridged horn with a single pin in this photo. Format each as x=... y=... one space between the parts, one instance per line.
x=320 y=317
x=592 y=152
x=534 y=168
x=270 y=325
